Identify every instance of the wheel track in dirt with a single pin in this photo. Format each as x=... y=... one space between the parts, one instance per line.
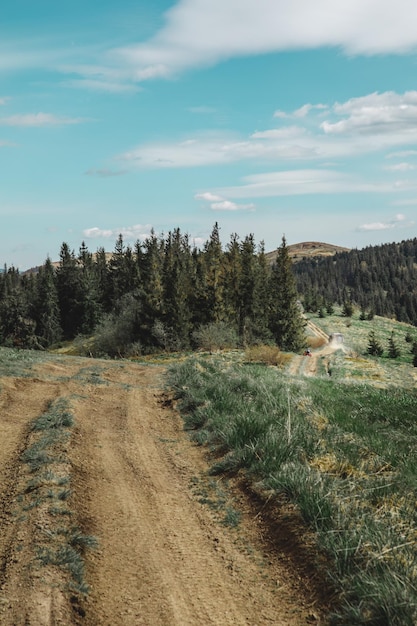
x=163 y=558
x=21 y=401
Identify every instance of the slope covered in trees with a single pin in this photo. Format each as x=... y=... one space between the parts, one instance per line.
x=161 y=294
x=378 y=279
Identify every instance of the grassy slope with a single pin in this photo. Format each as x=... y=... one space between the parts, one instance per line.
x=342 y=448
x=355 y=364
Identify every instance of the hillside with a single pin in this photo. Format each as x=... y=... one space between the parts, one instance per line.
x=380 y=279
x=308 y=250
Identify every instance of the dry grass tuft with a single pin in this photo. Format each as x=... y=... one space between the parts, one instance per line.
x=316 y=342
x=269 y=355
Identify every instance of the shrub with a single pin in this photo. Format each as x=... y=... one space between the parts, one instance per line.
x=316 y=342
x=215 y=336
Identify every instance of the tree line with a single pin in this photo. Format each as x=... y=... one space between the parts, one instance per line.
x=162 y=293
x=379 y=280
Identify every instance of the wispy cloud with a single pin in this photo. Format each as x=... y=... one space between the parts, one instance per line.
x=302 y=111
x=301 y=182
x=218 y=203
x=4 y=100
x=203 y=110
x=400 y=167
x=399 y=221
x=101 y=86
x=402 y=154
x=105 y=173
x=202 y=33
x=375 y=114
x=138 y=231
x=373 y=123
x=39 y=119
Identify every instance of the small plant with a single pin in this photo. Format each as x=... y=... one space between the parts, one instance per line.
x=231 y=517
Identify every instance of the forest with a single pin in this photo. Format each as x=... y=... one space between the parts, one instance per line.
x=160 y=294
x=380 y=280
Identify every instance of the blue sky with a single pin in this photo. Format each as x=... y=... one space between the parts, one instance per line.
x=270 y=117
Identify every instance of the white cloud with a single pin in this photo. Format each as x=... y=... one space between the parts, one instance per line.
x=205 y=32
x=227 y=205
x=402 y=154
x=102 y=86
x=370 y=124
x=301 y=112
x=138 y=231
x=38 y=120
x=376 y=226
x=219 y=203
x=301 y=182
x=400 y=167
x=95 y=232
x=405 y=202
x=396 y=222
x=210 y=197
x=375 y=114
x=4 y=100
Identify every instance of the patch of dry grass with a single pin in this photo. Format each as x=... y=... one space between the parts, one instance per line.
x=269 y=355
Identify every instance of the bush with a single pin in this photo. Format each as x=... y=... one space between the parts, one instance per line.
x=269 y=355
x=215 y=336
x=315 y=342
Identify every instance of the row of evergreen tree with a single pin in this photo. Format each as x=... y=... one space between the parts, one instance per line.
x=378 y=279
x=159 y=294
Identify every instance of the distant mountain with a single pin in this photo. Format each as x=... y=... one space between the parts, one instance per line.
x=308 y=250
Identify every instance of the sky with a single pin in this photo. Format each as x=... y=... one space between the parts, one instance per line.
x=272 y=118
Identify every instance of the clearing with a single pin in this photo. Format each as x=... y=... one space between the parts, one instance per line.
x=164 y=557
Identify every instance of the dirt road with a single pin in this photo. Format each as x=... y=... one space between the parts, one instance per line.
x=136 y=483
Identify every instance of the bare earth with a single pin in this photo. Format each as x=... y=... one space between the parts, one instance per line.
x=164 y=558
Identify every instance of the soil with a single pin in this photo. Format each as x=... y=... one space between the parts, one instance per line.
x=165 y=555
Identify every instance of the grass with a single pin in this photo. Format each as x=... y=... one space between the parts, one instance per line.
x=355 y=364
x=47 y=490
x=342 y=452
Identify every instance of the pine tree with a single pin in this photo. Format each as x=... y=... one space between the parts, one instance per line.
x=176 y=289
x=393 y=349
x=374 y=347
x=70 y=294
x=46 y=305
x=285 y=321
x=214 y=277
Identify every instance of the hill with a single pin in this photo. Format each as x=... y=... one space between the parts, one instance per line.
x=381 y=279
x=308 y=250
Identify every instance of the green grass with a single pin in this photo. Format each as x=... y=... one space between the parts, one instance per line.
x=343 y=452
x=47 y=491
x=355 y=363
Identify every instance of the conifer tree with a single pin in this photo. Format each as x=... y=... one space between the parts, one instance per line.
x=69 y=293
x=374 y=347
x=393 y=349
x=285 y=321
x=214 y=277
x=46 y=305
x=176 y=288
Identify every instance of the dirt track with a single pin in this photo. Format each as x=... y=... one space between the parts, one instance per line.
x=164 y=558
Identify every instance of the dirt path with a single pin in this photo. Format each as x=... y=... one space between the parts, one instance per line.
x=164 y=558
x=302 y=365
